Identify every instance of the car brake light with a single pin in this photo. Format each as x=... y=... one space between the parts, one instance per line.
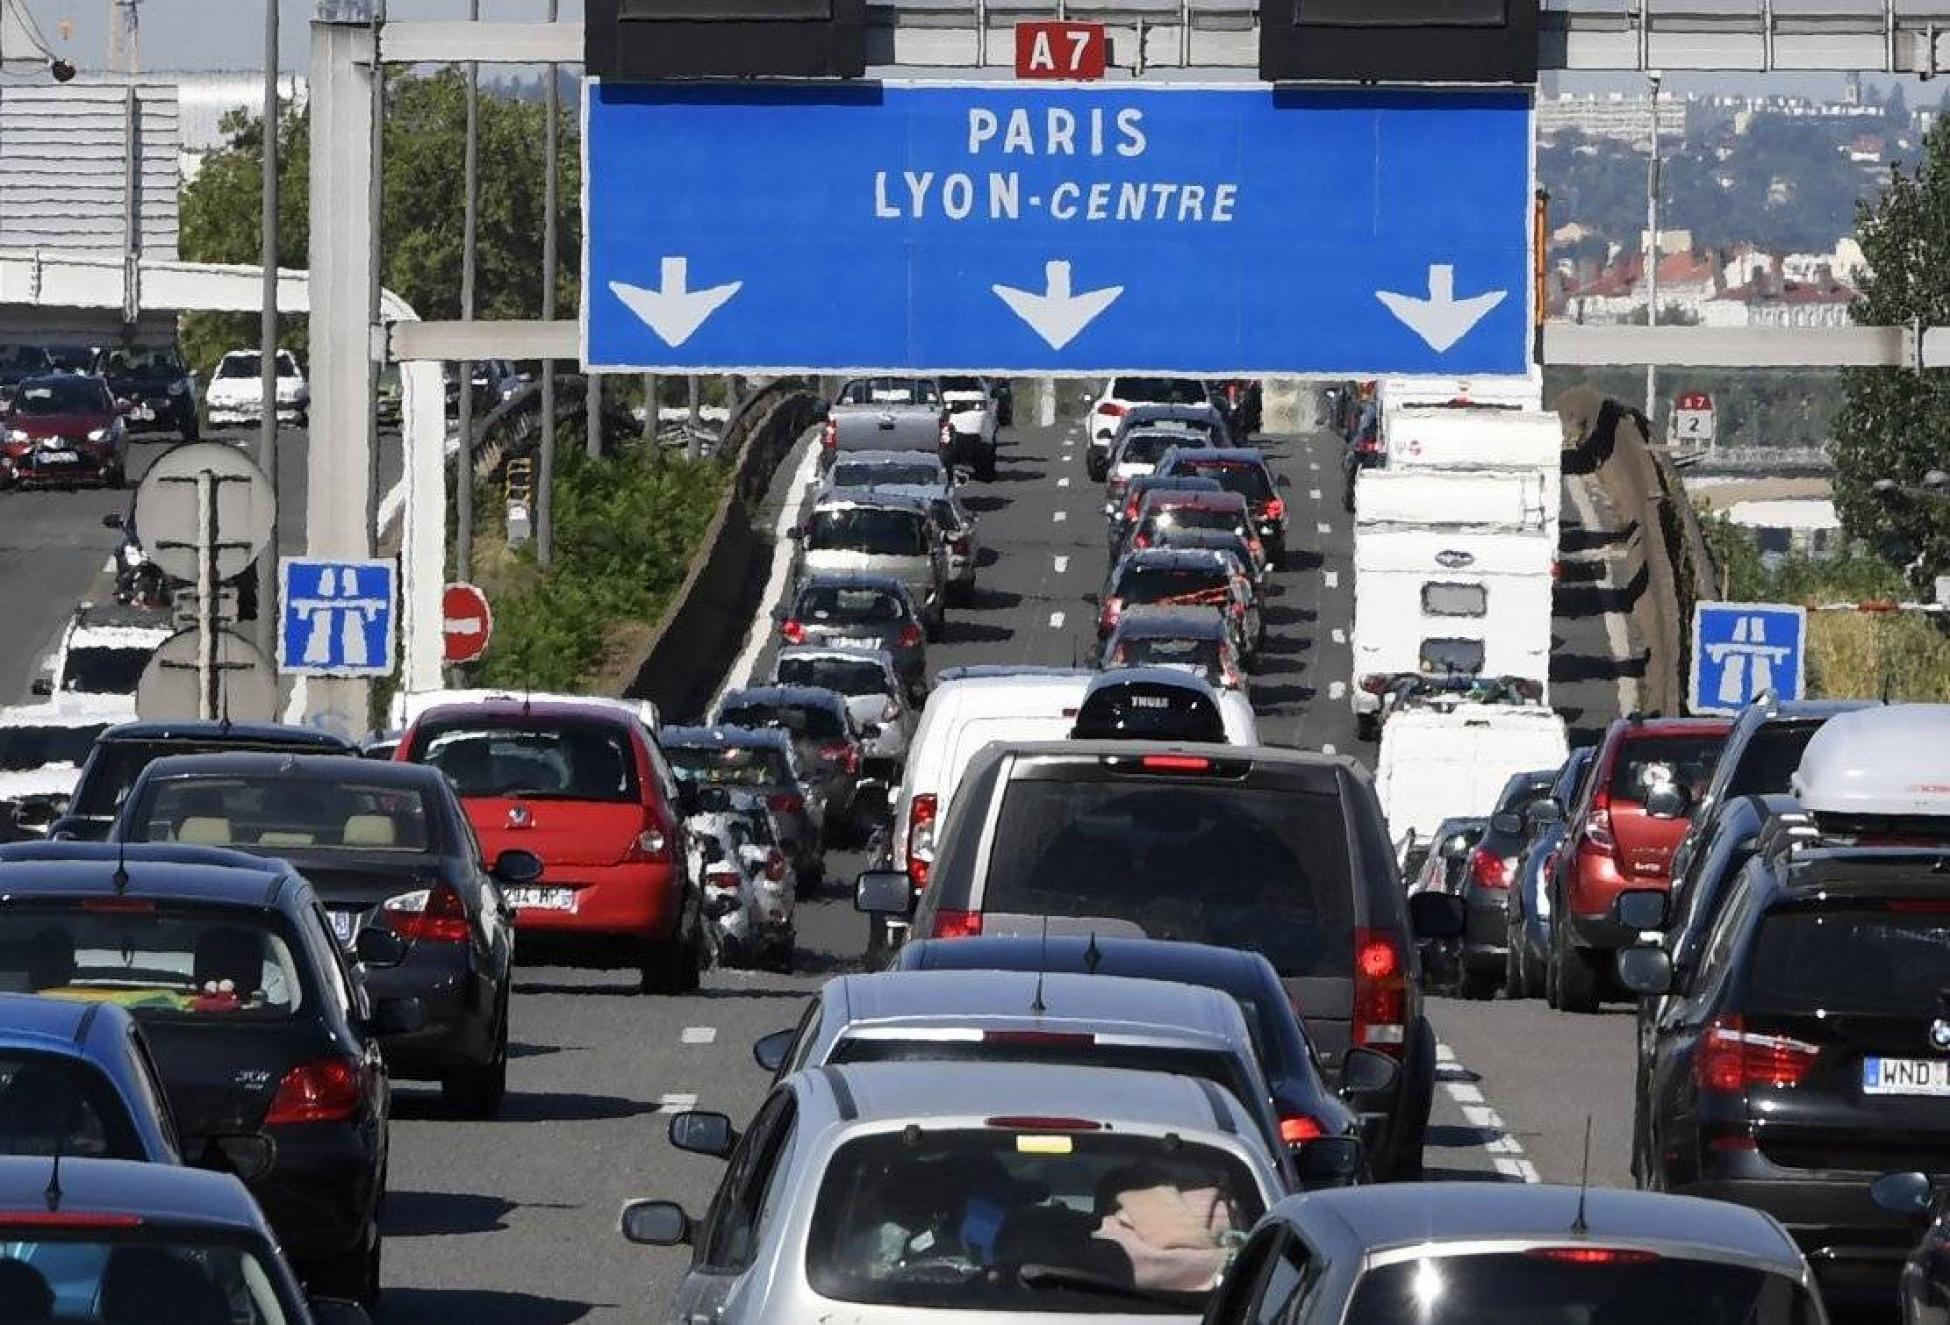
x=1594 y=1255
x=1374 y=682
x=1113 y=609
x=957 y=925
x=45 y=1218
x=1276 y=509
x=1489 y=870
x=829 y=436
x=1732 y=1060
x=1113 y=409
x=1030 y=1122
x=792 y=632
x=920 y=838
x=325 y=1091
x=1038 y=1037
x=784 y=802
x=1298 y=1128
x=1380 y=991
x=947 y=435
x=1597 y=824
x=1141 y=539
x=650 y=845
x=1175 y=763
x=775 y=865
x=960 y=546
x=843 y=753
x=431 y=915
x=722 y=877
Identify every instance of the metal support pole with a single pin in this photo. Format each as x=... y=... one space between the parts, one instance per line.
x=1652 y=254
x=470 y=225
x=545 y=479
x=592 y=408
x=267 y=340
x=650 y=392
x=691 y=448
x=206 y=595
x=375 y=221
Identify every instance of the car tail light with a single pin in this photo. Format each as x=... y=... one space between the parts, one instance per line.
x=957 y=925
x=920 y=837
x=1141 y=539
x=1175 y=763
x=1489 y=870
x=1597 y=830
x=910 y=636
x=960 y=546
x=1374 y=683
x=792 y=632
x=325 y=1091
x=1732 y=1060
x=843 y=753
x=1113 y=609
x=1594 y=1255
x=719 y=876
x=1112 y=409
x=1276 y=509
x=786 y=802
x=829 y=436
x=947 y=435
x=429 y=915
x=1130 y=510
x=892 y=712
x=1380 y=990
x=648 y=845
x=135 y=904
x=1368 y=446
x=1298 y=1128
x=774 y=865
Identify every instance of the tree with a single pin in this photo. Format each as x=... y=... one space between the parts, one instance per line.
x=424 y=198
x=1894 y=423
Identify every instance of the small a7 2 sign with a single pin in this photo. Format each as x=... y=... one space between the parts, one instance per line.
x=1061 y=50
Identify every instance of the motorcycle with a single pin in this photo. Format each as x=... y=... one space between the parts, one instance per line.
x=139 y=582
x=746 y=881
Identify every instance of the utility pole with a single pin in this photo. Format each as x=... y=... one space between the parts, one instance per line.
x=545 y=484
x=1652 y=252
x=267 y=340
x=470 y=222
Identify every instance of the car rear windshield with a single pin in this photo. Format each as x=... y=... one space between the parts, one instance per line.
x=1149 y=713
x=850 y=474
x=579 y=761
x=94 y=1276
x=1241 y=476
x=1004 y=1219
x=739 y=766
x=1148 y=448
x=889 y=391
x=142 y=363
x=1444 y=657
x=1644 y=762
x=1239 y=866
x=155 y=958
x=849 y=676
x=1541 y=1288
x=962 y=384
x=830 y=604
x=280 y=812
x=1200 y=656
x=801 y=720
x=871 y=530
x=1198 y=517
x=104 y=671
x=1845 y=960
x=1160 y=390
x=52 y=1102
x=1173 y=586
x=117 y=764
x=1769 y=759
x=70 y=395
x=25 y=748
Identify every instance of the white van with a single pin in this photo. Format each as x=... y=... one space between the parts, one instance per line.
x=1451 y=761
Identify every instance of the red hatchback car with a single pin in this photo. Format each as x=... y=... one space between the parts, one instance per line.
x=585 y=788
x=1636 y=805
x=63 y=430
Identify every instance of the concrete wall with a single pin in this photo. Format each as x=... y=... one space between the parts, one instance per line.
x=64 y=153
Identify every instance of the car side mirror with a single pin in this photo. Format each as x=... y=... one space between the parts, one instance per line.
x=1545 y=813
x=769 y=1051
x=517 y=866
x=1641 y=909
x=703 y=1133
x=1329 y=1160
x=249 y=1155
x=1436 y=915
x=398 y=1016
x=1666 y=801
x=654 y=1224
x=337 y=1311
x=1454 y=847
x=43 y=685
x=111 y=521
x=1645 y=969
x=1286 y=480
x=1366 y=1072
x=884 y=893
x=1904 y=1194
x=379 y=947
x=795 y=533
x=1507 y=824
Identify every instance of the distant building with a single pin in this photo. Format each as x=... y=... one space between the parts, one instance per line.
x=205 y=99
x=1771 y=303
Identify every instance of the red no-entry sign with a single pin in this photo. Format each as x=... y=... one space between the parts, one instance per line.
x=466 y=623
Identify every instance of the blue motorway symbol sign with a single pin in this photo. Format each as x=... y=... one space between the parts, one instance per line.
x=339 y=617
x=1741 y=650
x=1003 y=227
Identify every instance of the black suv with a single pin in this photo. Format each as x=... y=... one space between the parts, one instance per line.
x=152 y=387
x=1281 y=852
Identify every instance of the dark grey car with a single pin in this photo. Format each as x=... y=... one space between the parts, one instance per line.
x=760 y=761
x=862 y=612
x=826 y=741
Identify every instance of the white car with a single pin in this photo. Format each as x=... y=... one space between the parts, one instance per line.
x=236 y=394
x=42 y=747
x=1120 y=393
x=102 y=654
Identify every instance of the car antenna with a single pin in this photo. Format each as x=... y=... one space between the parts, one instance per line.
x=121 y=876
x=53 y=1192
x=1092 y=955
x=1578 y=1225
x=1036 y=1004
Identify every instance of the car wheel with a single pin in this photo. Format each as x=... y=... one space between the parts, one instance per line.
x=303 y=419
x=1367 y=727
x=114 y=478
x=811 y=880
x=985 y=468
x=778 y=954
x=477 y=1091
x=1276 y=554
x=1577 y=975
x=1478 y=984
x=190 y=431
x=960 y=595
x=669 y=966
x=353 y=1277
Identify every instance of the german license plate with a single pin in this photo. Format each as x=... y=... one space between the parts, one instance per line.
x=542 y=899
x=345 y=924
x=57 y=457
x=1906 y=1076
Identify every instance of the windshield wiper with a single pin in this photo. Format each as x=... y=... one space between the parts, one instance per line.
x=1087 y=1281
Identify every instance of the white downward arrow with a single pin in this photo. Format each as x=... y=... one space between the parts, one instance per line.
x=1441 y=319
x=1057 y=315
x=674 y=312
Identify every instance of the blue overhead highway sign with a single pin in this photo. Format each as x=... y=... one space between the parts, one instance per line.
x=1003 y=227
x=1741 y=650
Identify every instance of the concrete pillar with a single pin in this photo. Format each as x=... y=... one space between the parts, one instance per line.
x=338 y=518
x=1045 y=401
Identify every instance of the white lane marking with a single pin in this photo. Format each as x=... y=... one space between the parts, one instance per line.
x=1059 y=516
x=1063 y=482
x=1337 y=689
x=1313 y=494
x=783 y=550
x=1324 y=527
x=1062 y=564
x=1314 y=465
x=1615 y=637
x=1505 y=1151
x=1340 y=636
x=676 y=1102
x=1056 y=621
x=1331 y=578
x=108 y=566
x=699 y=1035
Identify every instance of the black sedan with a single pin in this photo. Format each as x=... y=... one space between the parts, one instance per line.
x=256 y=1019
x=387 y=846
x=152 y=387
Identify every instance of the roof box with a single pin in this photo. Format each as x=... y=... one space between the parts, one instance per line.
x=1888 y=762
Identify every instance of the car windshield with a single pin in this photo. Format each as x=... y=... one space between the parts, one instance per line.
x=835 y=605
x=849 y=676
x=124 y=1277
x=1258 y=868
x=25 y=748
x=801 y=720
x=117 y=764
x=70 y=358
x=154 y=958
x=1570 y=1286
x=1199 y=655
x=54 y=1102
x=16 y=359
x=889 y=391
x=1770 y=758
x=1241 y=476
x=883 y=473
x=738 y=766
x=1160 y=390
x=1645 y=762
x=280 y=812
x=101 y=670
x=1001 y=1219
x=559 y=760
x=141 y=363
x=872 y=530
x=63 y=395
x=1845 y=960
x=1173 y=585
x=240 y=365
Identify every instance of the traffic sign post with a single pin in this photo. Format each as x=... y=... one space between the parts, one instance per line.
x=466 y=623
x=338 y=616
x=1743 y=650
x=1692 y=418
x=1057 y=229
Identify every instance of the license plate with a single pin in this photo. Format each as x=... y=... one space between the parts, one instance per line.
x=344 y=925
x=58 y=457
x=543 y=899
x=142 y=414
x=1906 y=1076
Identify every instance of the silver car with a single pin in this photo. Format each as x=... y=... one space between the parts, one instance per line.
x=1008 y=1194
x=958 y=536
x=873 y=691
x=872 y=469
x=852 y=532
x=1419 y=1252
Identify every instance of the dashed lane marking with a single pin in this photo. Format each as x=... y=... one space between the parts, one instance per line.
x=1059 y=516
x=699 y=1035
x=1062 y=564
x=1340 y=636
x=1063 y=482
x=1313 y=494
x=676 y=1102
x=1337 y=689
x=1314 y=465
x=1331 y=578
x=1324 y=527
x=1056 y=621
x=1505 y=1151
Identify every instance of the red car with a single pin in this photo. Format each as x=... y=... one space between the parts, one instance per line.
x=64 y=430
x=584 y=787
x=1636 y=806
